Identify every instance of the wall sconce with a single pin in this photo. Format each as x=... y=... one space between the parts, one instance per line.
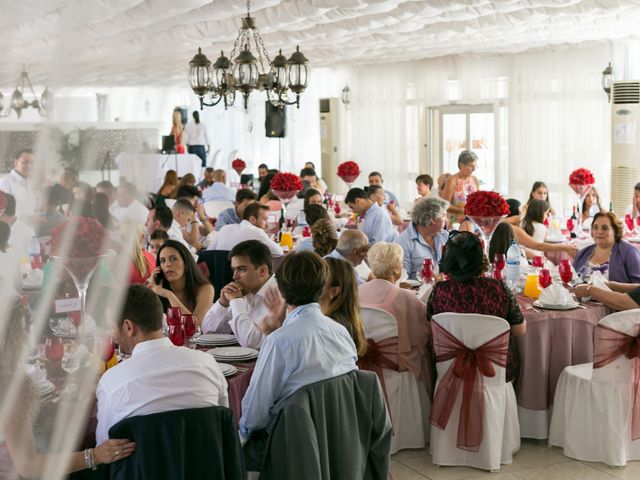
x=346 y=96
x=607 y=80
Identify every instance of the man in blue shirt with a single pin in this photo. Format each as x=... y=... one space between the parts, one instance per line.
x=425 y=237
x=244 y=197
x=219 y=191
x=308 y=348
x=375 y=178
x=377 y=222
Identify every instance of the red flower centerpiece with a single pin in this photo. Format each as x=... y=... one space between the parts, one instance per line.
x=238 y=165
x=486 y=209
x=286 y=186
x=581 y=180
x=79 y=243
x=348 y=172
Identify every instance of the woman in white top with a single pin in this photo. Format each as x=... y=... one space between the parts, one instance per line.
x=533 y=220
x=195 y=136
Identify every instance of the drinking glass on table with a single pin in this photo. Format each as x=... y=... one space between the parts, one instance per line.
x=173 y=316
x=193 y=340
x=564 y=269
x=53 y=349
x=537 y=261
x=630 y=224
x=545 y=278
x=189 y=323
x=499 y=262
x=176 y=334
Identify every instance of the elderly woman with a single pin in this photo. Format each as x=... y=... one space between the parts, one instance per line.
x=412 y=332
x=425 y=237
x=460 y=185
x=467 y=291
x=615 y=258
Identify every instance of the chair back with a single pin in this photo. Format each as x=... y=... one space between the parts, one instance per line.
x=307 y=441
x=180 y=445
x=169 y=202
x=622 y=368
x=215 y=159
x=378 y=323
x=213 y=207
x=219 y=266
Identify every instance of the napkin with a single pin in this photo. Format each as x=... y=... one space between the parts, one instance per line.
x=37 y=375
x=555 y=294
x=424 y=292
x=598 y=280
x=34 y=278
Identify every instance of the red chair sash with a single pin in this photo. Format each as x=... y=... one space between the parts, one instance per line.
x=610 y=345
x=468 y=370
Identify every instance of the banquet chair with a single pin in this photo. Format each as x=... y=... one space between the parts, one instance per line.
x=185 y=444
x=213 y=207
x=219 y=266
x=407 y=399
x=500 y=431
x=169 y=202
x=306 y=440
x=215 y=158
x=593 y=405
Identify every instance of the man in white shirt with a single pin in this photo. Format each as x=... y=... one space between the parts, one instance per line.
x=158 y=376
x=161 y=218
x=252 y=227
x=17 y=183
x=352 y=246
x=184 y=224
x=245 y=306
x=130 y=209
x=196 y=139
x=219 y=191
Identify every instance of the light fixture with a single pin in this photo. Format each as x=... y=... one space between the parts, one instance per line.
x=607 y=80
x=18 y=103
x=246 y=72
x=346 y=96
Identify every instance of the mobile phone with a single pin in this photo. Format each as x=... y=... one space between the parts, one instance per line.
x=158 y=278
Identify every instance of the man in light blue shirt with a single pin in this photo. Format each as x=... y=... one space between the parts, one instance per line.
x=425 y=237
x=377 y=222
x=353 y=247
x=308 y=348
x=375 y=178
x=219 y=191
x=232 y=215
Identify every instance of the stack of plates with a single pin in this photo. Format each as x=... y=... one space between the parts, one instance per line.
x=567 y=306
x=233 y=354
x=216 y=340
x=43 y=389
x=227 y=370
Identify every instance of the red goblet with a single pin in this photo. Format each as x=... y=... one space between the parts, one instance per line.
x=173 y=316
x=76 y=318
x=337 y=208
x=499 y=262
x=570 y=225
x=176 y=335
x=537 y=261
x=544 y=278
x=427 y=270
x=53 y=349
x=564 y=269
x=189 y=323
x=36 y=262
x=628 y=221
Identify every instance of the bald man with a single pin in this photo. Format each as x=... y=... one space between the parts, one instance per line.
x=219 y=191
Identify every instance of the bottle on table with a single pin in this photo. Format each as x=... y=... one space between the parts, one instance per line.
x=512 y=270
x=574 y=219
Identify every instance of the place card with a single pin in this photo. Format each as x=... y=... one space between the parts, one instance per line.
x=65 y=305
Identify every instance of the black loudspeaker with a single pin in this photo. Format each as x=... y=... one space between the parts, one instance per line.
x=274 y=121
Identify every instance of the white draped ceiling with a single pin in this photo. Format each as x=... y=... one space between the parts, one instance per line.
x=149 y=42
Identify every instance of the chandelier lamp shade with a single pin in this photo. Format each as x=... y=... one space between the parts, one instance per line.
x=18 y=102
x=249 y=71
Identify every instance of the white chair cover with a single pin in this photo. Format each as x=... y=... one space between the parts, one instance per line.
x=501 y=430
x=409 y=403
x=592 y=408
x=214 y=207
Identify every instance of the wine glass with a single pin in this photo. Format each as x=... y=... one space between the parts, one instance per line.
x=537 y=261
x=173 y=316
x=628 y=221
x=53 y=349
x=193 y=340
x=544 y=278
x=566 y=274
x=570 y=225
x=176 y=335
x=499 y=262
x=189 y=323
x=426 y=273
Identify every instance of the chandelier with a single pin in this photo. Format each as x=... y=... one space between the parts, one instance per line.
x=18 y=103
x=219 y=82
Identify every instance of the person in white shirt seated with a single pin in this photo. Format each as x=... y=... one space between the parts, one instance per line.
x=252 y=227
x=244 y=304
x=219 y=191
x=232 y=215
x=377 y=194
x=158 y=376
x=353 y=246
x=424 y=184
x=17 y=183
x=375 y=178
x=377 y=224
x=185 y=223
x=308 y=348
x=161 y=218
x=21 y=233
x=194 y=196
x=106 y=187
x=207 y=179
x=129 y=208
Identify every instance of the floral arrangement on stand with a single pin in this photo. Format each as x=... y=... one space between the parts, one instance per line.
x=581 y=180
x=349 y=171
x=581 y=176
x=486 y=209
x=238 y=165
x=286 y=185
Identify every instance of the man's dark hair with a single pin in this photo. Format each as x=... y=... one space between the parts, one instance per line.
x=106 y=185
x=24 y=150
x=245 y=194
x=313 y=213
x=163 y=214
x=10 y=209
x=514 y=207
x=637 y=187
x=425 y=179
x=355 y=193
x=301 y=277
x=252 y=210
x=5 y=233
x=263 y=165
x=375 y=174
x=159 y=235
x=209 y=170
x=184 y=204
x=143 y=308
x=188 y=191
x=373 y=189
x=256 y=251
x=308 y=172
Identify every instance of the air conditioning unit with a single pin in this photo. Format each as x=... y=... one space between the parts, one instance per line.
x=625 y=142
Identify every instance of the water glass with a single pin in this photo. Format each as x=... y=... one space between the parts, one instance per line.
x=173 y=316
x=545 y=278
x=189 y=323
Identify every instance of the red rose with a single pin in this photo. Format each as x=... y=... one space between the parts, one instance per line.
x=286 y=182
x=238 y=165
x=486 y=204
x=88 y=237
x=581 y=176
x=348 y=170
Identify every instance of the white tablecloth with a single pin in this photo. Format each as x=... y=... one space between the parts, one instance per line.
x=146 y=170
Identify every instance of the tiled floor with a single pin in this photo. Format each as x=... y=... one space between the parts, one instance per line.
x=534 y=461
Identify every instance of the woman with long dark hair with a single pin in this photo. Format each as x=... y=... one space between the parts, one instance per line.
x=533 y=220
x=179 y=283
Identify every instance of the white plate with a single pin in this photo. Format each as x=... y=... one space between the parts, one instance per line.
x=568 y=306
x=227 y=370
x=44 y=389
x=634 y=239
x=555 y=240
x=234 y=353
x=216 y=337
x=413 y=283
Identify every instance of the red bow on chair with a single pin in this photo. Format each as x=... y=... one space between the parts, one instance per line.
x=468 y=370
x=380 y=355
x=610 y=345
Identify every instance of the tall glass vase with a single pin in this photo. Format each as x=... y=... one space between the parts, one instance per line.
x=81 y=270
x=285 y=197
x=581 y=191
x=487 y=226
x=349 y=180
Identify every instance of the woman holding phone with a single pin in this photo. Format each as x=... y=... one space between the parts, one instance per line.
x=179 y=283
